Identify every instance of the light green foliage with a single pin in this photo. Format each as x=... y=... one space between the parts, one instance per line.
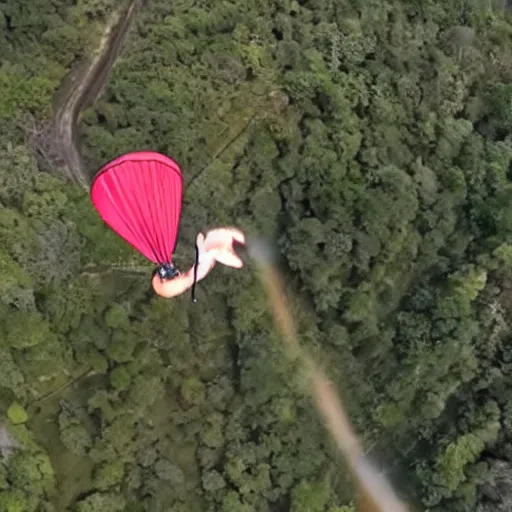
x=145 y=391
x=456 y=457
x=101 y=501
x=11 y=376
x=213 y=481
x=120 y=378
x=309 y=496
x=26 y=329
x=116 y=317
x=165 y=470
x=120 y=433
x=211 y=434
x=192 y=391
x=76 y=439
x=18 y=172
x=109 y=475
x=94 y=8
x=93 y=358
x=470 y=283
x=22 y=93
x=47 y=201
x=100 y=401
x=73 y=433
x=14 y=501
x=121 y=346
x=343 y=508
x=503 y=254
x=29 y=472
x=18 y=237
x=16 y=286
x=65 y=42
x=231 y=503
x=17 y=413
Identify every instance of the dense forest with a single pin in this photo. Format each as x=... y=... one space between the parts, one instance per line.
x=371 y=141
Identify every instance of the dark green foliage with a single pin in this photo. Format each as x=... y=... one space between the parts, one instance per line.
x=369 y=140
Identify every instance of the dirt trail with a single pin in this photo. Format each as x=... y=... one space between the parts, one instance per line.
x=82 y=87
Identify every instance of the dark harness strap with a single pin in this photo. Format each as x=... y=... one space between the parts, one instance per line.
x=196 y=261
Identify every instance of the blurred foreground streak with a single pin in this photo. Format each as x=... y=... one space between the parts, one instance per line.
x=375 y=493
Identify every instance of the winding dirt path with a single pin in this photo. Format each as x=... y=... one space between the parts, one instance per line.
x=82 y=87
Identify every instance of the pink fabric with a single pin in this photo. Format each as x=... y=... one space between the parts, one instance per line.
x=139 y=196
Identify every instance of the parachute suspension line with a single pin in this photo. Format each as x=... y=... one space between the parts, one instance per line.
x=222 y=149
x=196 y=261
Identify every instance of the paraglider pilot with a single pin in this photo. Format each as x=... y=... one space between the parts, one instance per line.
x=219 y=246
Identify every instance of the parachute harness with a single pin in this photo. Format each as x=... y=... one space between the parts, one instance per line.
x=167 y=271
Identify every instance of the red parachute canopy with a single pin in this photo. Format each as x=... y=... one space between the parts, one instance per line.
x=139 y=196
